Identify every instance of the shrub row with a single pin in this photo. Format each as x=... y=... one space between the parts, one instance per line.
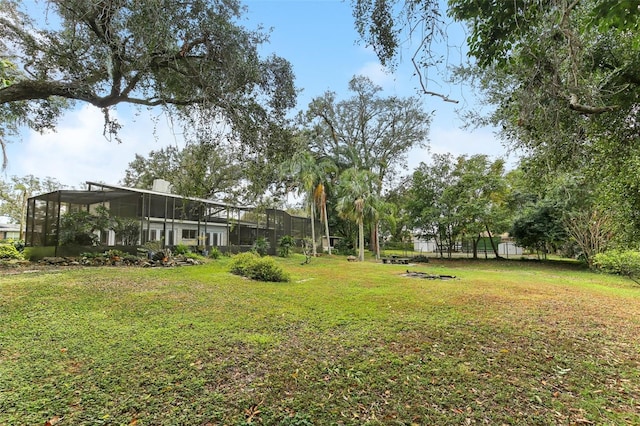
x=9 y=251
x=622 y=262
x=252 y=266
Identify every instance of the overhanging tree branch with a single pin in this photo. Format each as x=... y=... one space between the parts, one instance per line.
x=586 y=109
x=28 y=90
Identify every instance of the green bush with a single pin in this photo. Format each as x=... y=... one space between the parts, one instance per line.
x=91 y=255
x=77 y=228
x=622 y=262
x=398 y=245
x=18 y=244
x=344 y=247
x=252 y=266
x=421 y=258
x=115 y=253
x=214 y=253
x=242 y=262
x=9 y=251
x=181 y=249
x=130 y=258
x=261 y=246
x=194 y=256
x=36 y=253
x=285 y=244
x=127 y=230
x=266 y=269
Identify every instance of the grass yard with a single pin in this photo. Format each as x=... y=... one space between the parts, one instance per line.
x=516 y=343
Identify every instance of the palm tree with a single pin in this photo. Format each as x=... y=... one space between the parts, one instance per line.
x=320 y=198
x=357 y=200
x=378 y=209
x=309 y=173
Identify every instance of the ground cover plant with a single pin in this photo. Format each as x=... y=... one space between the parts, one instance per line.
x=348 y=343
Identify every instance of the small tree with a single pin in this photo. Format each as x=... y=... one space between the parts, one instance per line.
x=127 y=230
x=284 y=245
x=83 y=228
x=261 y=246
x=77 y=228
x=591 y=230
x=320 y=198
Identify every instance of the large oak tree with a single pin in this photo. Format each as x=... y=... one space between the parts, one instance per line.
x=191 y=58
x=367 y=131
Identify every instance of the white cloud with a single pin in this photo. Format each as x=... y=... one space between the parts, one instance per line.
x=457 y=142
x=77 y=151
x=377 y=74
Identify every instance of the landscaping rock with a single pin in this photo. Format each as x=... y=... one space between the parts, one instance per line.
x=427 y=276
x=61 y=261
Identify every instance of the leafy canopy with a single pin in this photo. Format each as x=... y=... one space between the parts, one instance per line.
x=191 y=58
x=366 y=131
x=198 y=170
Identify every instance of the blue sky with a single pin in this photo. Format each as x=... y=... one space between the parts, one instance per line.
x=316 y=36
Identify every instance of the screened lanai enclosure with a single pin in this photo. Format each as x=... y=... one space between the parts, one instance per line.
x=156 y=216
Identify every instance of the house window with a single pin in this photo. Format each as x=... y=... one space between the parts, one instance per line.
x=188 y=234
x=153 y=236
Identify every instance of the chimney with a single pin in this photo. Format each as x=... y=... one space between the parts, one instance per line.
x=161 y=185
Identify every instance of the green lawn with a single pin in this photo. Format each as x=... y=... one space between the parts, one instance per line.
x=343 y=343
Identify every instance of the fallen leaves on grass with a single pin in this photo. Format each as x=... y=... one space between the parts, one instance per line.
x=53 y=421
x=253 y=413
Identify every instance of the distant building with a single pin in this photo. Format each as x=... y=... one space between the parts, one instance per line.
x=9 y=231
x=509 y=248
x=168 y=218
x=424 y=246
x=506 y=247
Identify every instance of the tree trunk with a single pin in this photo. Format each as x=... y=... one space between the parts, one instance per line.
x=23 y=216
x=438 y=241
x=474 y=243
x=313 y=230
x=361 y=240
x=376 y=239
x=326 y=229
x=493 y=245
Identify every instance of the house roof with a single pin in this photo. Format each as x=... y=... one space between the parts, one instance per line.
x=123 y=189
x=80 y=197
x=11 y=227
x=106 y=192
x=110 y=192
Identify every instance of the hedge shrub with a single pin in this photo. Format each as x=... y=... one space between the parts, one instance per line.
x=252 y=266
x=622 y=262
x=9 y=251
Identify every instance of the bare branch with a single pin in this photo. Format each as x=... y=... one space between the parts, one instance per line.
x=428 y=92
